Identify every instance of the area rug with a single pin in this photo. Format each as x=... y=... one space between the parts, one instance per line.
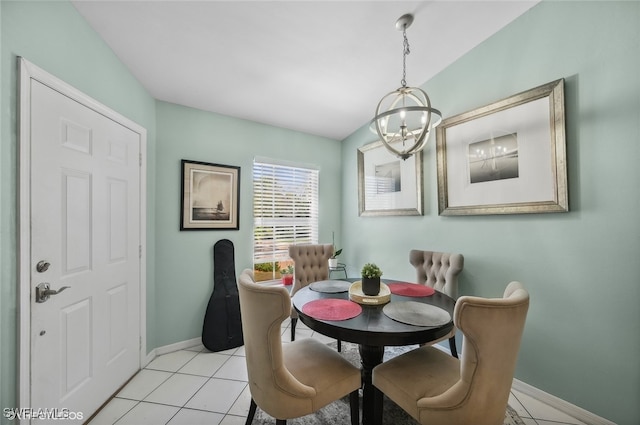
x=338 y=413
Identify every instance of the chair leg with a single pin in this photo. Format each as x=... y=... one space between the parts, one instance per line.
x=294 y=321
x=452 y=347
x=354 y=401
x=281 y=422
x=339 y=346
x=252 y=412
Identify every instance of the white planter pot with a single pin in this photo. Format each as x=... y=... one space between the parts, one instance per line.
x=333 y=263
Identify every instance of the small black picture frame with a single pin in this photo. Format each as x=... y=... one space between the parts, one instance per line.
x=210 y=196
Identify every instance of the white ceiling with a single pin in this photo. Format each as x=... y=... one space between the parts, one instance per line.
x=319 y=67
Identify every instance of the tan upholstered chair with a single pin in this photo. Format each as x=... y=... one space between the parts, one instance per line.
x=437 y=389
x=292 y=379
x=440 y=271
x=311 y=264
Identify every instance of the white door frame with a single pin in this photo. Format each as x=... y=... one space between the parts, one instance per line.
x=29 y=71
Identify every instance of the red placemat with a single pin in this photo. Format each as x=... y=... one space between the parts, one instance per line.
x=411 y=289
x=332 y=309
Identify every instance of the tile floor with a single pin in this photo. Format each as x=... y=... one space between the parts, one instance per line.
x=195 y=386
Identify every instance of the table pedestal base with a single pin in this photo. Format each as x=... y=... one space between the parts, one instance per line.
x=370 y=356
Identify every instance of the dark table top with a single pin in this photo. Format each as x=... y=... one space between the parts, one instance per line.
x=372 y=327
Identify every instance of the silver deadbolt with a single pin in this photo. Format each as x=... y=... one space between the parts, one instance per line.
x=43 y=292
x=42 y=266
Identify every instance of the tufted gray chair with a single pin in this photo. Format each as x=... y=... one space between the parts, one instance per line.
x=311 y=265
x=440 y=271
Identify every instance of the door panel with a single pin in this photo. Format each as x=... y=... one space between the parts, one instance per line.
x=75 y=337
x=76 y=222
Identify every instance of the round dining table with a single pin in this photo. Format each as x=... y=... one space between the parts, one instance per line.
x=373 y=329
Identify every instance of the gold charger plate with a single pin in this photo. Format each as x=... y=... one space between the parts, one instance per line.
x=356 y=294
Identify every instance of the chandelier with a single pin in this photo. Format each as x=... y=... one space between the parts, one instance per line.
x=405 y=117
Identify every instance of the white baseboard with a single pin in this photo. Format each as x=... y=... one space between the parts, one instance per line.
x=165 y=349
x=561 y=405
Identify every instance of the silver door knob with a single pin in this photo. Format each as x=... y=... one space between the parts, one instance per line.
x=43 y=292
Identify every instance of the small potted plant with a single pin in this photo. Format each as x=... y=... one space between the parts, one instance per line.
x=371 y=279
x=287 y=275
x=333 y=260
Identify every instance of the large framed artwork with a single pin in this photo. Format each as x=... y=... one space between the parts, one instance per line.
x=388 y=185
x=210 y=196
x=508 y=157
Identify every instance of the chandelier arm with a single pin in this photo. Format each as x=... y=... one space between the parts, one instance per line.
x=408 y=109
x=387 y=141
x=409 y=93
x=416 y=147
x=391 y=148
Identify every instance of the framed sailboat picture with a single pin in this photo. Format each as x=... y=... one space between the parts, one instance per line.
x=210 y=196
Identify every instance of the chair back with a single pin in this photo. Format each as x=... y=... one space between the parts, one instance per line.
x=311 y=264
x=263 y=308
x=438 y=270
x=492 y=330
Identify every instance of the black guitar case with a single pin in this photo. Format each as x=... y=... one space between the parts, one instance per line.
x=222 y=328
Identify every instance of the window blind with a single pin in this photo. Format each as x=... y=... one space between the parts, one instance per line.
x=285 y=209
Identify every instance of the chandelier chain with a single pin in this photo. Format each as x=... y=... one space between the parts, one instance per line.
x=405 y=52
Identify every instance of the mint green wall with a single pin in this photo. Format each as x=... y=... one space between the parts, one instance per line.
x=185 y=258
x=581 y=341
x=585 y=354
x=56 y=38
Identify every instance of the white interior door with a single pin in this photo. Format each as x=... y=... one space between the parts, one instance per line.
x=85 y=193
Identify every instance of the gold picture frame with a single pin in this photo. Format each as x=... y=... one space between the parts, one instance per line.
x=388 y=185
x=508 y=157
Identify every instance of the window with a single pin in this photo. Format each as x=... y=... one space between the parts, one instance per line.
x=285 y=212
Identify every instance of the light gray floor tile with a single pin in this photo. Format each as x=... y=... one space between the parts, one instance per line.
x=241 y=405
x=143 y=384
x=229 y=352
x=204 y=364
x=148 y=414
x=172 y=362
x=540 y=411
x=217 y=395
x=196 y=417
x=234 y=368
x=177 y=390
x=197 y=348
x=543 y=422
x=517 y=406
x=113 y=411
x=233 y=420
